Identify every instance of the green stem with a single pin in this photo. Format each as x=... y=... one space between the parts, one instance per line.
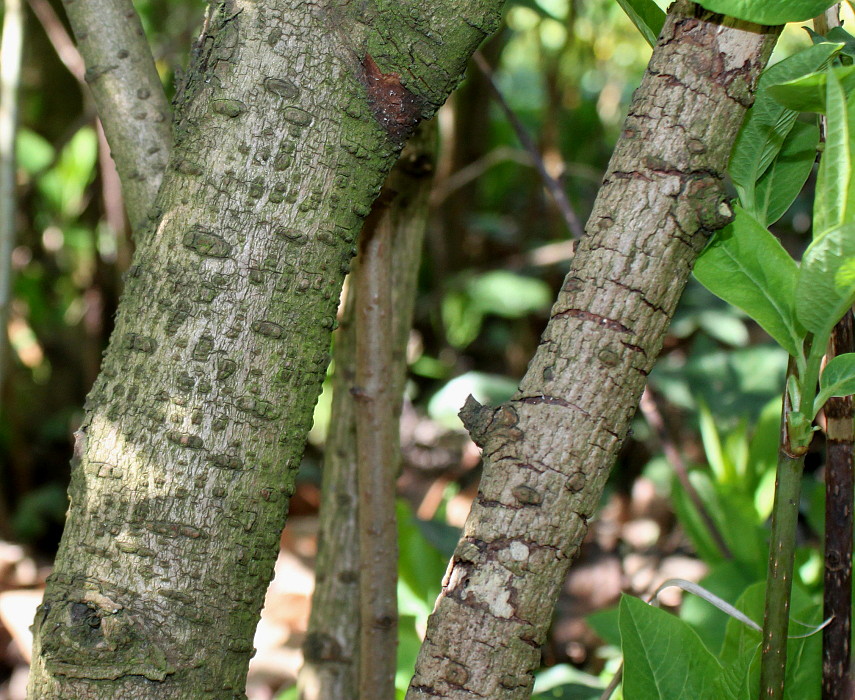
x=785 y=513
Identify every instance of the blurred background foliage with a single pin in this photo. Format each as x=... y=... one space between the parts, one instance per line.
x=496 y=253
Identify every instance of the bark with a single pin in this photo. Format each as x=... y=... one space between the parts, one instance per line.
x=547 y=452
x=291 y=115
x=130 y=99
x=837 y=679
x=376 y=438
x=331 y=647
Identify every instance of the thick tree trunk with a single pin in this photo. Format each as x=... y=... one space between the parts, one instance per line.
x=291 y=116
x=547 y=452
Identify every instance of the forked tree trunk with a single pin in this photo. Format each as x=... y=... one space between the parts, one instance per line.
x=547 y=452
x=291 y=116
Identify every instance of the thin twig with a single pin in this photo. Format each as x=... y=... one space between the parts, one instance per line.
x=554 y=187
x=650 y=410
x=59 y=38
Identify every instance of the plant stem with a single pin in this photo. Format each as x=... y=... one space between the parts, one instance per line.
x=376 y=433
x=785 y=513
x=837 y=681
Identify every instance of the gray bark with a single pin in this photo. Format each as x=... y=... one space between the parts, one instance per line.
x=291 y=116
x=547 y=452
x=131 y=103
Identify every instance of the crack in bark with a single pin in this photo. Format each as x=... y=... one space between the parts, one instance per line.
x=602 y=321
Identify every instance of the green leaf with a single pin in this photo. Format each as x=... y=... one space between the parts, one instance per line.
x=33 y=152
x=835 y=197
x=808 y=92
x=837 y=379
x=825 y=287
x=768 y=122
x=769 y=12
x=646 y=16
x=839 y=34
x=664 y=658
x=740 y=653
x=746 y=266
x=779 y=186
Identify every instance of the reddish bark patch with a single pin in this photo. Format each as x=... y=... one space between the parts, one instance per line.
x=396 y=108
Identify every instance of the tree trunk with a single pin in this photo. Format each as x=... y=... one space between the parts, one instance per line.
x=547 y=452
x=331 y=647
x=291 y=115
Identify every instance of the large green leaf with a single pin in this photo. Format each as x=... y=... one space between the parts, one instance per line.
x=825 y=287
x=768 y=122
x=779 y=186
x=808 y=92
x=646 y=16
x=769 y=11
x=740 y=653
x=664 y=658
x=835 y=190
x=746 y=266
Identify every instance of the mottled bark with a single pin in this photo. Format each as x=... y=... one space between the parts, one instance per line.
x=131 y=103
x=837 y=678
x=547 y=452
x=331 y=647
x=291 y=116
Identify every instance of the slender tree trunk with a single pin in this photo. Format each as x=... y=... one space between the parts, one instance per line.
x=547 y=452
x=331 y=647
x=291 y=116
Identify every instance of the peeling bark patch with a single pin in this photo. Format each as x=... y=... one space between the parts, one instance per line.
x=229 y=108
x=268 y=329
x=185 y=439
x=225 y=461
x=282 y=87
x=74 y=633
x=140 y=343
x=297 y=116
x=394 y=107
x=205 y=243
x=609 y=323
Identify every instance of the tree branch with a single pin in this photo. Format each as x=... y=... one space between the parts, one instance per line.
x=548 y=451
x=131 y=102
x=552 y=185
